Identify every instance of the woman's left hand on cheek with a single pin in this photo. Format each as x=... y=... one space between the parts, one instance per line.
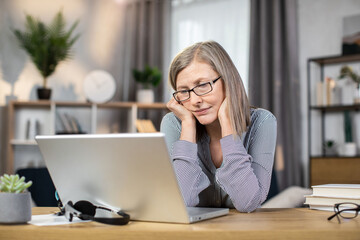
x=224 y=119
x=223 y=110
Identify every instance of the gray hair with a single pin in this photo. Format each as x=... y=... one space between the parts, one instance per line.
x=214 y=54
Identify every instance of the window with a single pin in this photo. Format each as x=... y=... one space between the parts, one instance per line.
x=224 y=21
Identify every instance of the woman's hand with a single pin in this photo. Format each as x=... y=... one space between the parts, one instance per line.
x=223 y=110
x=224 y=119
x=188 y=122
x=180 y=111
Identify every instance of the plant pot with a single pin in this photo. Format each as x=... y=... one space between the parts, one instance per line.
x=145 y=96
x=330 y=151
x=347 y=149
x=44 y=93
x=15 y=207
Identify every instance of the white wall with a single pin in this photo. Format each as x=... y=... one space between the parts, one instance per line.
x=100 y=24
x=99 y=47
x=320 y=34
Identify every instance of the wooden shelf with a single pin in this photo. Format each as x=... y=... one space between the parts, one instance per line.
x=88 y=104
x=132 y=104
x=22 y=142
x=152 y=106
x=337 y=108
x=324 y=170
x=72 y=104
x=336 y=59
x=335 y=157
x=51 y=108
x=329 y=169
x=31 y=104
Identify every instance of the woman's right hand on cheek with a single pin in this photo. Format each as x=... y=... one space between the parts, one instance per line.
x=188 y=123
x=180 y=111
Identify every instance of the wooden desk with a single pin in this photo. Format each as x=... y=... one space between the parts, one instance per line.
x=297 y=223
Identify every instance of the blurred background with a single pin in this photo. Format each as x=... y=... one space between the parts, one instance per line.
x=270 y=43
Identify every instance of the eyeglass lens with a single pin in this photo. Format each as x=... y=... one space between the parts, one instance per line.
x=348 y=210
x=198 y=90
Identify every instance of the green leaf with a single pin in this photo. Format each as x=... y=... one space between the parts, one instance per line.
x=5 y=180
x=148 y=76
x=13 y=184
x=47 y=45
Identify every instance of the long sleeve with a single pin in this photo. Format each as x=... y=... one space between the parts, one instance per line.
x=242 y=181
x=191 y=178
x=246 y=175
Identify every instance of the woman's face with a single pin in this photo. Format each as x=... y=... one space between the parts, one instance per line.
x=205 y=108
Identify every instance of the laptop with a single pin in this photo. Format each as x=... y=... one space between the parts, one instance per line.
x=131 y=172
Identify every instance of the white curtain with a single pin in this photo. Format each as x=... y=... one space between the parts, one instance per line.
x=224 y=21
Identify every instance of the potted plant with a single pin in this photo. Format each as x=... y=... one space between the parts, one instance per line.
x=15 y=203
x=349 y=147
x=150 y=76
x=348 y=74
x=330 y=148
x=47 y=46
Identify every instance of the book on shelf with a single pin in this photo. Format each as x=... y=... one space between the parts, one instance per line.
x=69 y=123
x=72 y=123
x=325 y=196
x=27 y=131
x=32 y=129
x=145 y=126
x=65 y=123
x=327 y=92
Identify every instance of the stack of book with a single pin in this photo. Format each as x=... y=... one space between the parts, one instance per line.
x=325 y=196
x=69 y=123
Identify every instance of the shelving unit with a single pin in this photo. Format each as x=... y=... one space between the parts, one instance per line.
x=48 y=110
x=329 y=169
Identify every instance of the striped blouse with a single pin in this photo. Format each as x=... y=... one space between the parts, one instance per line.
x=242 y=181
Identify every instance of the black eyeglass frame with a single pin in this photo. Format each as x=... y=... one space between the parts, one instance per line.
x=338 y=211
x=192 y=90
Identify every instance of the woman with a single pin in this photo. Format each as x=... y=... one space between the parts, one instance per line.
x=222 y=150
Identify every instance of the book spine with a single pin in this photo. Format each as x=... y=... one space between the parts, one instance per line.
x=65 y=123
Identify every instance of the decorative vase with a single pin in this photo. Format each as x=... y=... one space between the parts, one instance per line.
x=15 y=208
x=347 y=91
x=347 y=149
x=44 y=93
x=145 y=96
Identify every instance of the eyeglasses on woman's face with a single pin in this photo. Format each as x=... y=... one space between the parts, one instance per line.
x=345 y=210
x=199 y=90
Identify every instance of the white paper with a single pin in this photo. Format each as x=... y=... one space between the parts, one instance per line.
x=52 y=220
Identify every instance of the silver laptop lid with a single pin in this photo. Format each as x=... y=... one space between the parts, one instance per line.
x=131 y=172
